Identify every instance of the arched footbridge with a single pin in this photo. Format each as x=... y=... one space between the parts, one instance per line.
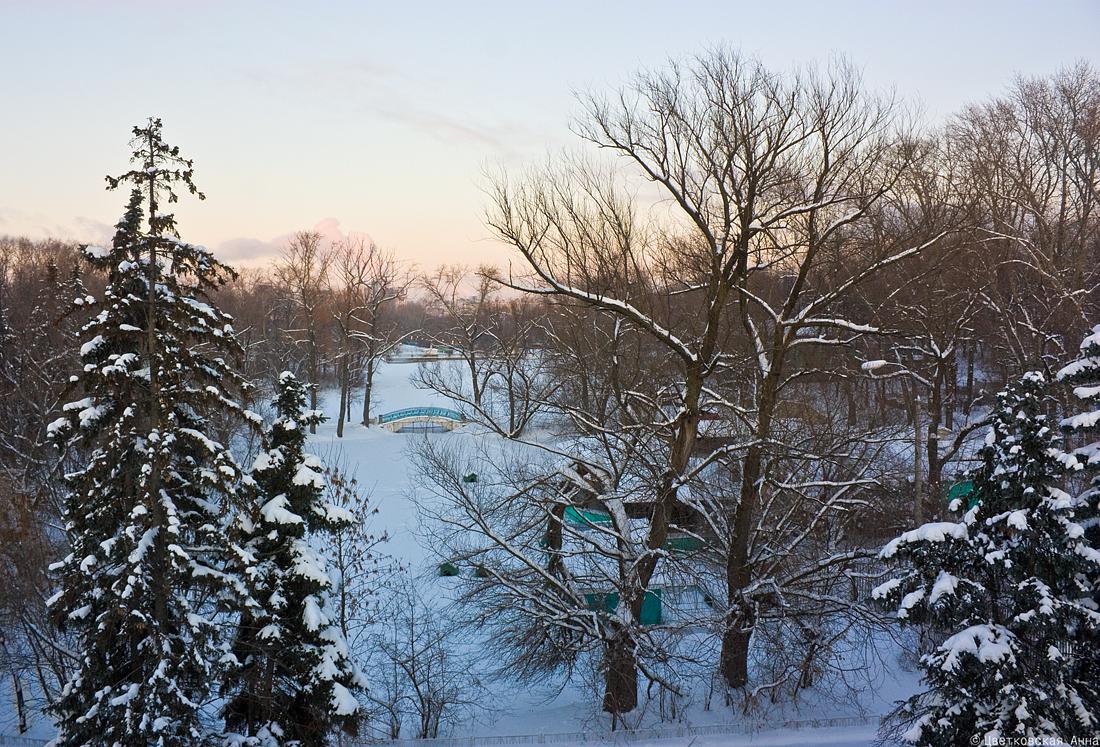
x=421 y=419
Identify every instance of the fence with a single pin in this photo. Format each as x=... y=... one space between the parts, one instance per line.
x=6 y=741
x=628 y=737
x=623 y=738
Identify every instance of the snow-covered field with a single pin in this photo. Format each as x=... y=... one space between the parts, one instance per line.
x=380 y=460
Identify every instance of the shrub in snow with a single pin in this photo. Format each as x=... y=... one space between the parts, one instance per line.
x=426 y=676
x=292 y=678
x=143 y=513
x=1005 y=587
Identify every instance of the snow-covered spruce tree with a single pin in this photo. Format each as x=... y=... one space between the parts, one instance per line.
x=294 y=679
x=1005 y=588
x=1083 y=375
x=144 y=515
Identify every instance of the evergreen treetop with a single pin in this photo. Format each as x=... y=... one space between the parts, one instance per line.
x=146 y=513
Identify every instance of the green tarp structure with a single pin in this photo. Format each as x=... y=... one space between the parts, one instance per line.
x=582 y=517
x=683 y=544
x=585 y=517
x=964 y=490
x=651 y=605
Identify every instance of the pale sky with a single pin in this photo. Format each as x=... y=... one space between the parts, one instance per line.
x=381 y=117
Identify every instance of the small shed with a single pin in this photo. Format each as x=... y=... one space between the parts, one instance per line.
x=608 y=602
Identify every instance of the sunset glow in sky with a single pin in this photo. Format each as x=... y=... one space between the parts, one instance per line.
x=382 y=117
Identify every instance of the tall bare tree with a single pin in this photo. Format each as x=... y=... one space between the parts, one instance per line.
x=772 y=180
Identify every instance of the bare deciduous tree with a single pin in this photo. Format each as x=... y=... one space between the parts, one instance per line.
x=1029 y=168
x=424 y=674
x=303 y=269
x=772 y=179
x=465 y=299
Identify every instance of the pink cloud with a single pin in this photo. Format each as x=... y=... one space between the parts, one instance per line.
x=250 y=250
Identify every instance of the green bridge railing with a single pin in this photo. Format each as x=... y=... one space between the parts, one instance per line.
x=421 y=412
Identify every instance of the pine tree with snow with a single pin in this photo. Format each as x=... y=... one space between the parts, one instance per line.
x=1006 y=588
x=144 y=514
x=1083 y=375
x=294 y=680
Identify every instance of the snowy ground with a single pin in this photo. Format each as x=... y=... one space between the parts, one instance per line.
x=380 y=461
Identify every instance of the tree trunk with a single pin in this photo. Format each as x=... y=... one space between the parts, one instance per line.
x=934 y=480
x=350 y=365
x=806 y=675
x=511 y=405
x=734 y=662
x=368 y=375
x=554 y=562
x=935 y=408
x=621 y=675
x=471 y=361
x=20 y=704
x=969 y=377
x=734 y=658
x=918 y=487
x=159 y=565
x=952 y=398
x=849 y=393
x=343 y=374
x=315 y=384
